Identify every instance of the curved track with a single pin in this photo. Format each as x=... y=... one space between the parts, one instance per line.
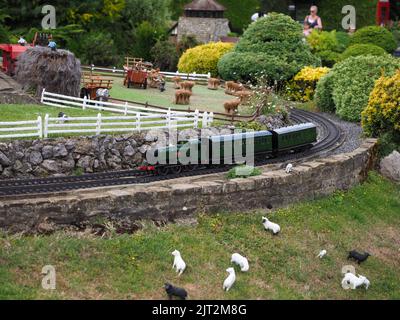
x=330 y=138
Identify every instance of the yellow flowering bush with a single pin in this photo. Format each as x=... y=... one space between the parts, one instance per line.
x=302 y=86
x=204 y=58
x=383 y=111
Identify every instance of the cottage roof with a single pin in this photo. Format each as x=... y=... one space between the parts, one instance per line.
x=204 y=5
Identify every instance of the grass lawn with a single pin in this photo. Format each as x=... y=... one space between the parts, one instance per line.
x=202 y=99
x=281 y=267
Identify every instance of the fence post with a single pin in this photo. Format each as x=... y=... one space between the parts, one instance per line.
x=138 y=121
x=98 y=125
x=205 y=119
x=42 y=98
x=126 y=109
x=40 y=127
x=169 y=118
x=211 y=119
x=84 y=102
x=196 y=119
x=46 y=124
x=209 y=75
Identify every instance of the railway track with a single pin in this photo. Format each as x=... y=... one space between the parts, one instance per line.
x=330 y=138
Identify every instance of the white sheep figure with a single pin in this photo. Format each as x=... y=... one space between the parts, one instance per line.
x=241 y=261
x=289 y=168
x=228 y=283
x=322 y=254
x=268 y=225
x=179 y=264
x=351 y=281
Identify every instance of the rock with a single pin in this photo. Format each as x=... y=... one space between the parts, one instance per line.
x=47 y=152
x=59 y=151
x=35 y=158
x=51 y=166
x=3 y=147
x=85 y=163
x=129 y=151
x=1 y=168
x=4 y=159
x=19 y=155
x=7 y=172
x=390 y=166
x=144 y=148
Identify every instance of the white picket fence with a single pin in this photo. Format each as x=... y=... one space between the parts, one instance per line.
x=99 y=125
x=21 y=129
x=187 y=76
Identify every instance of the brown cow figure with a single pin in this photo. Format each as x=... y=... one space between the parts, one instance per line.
x=182 y=97
x=232 y=87
x=187 y=85
x=213 y=84
x=244 y=96
x=177 y=82
x=231 y=106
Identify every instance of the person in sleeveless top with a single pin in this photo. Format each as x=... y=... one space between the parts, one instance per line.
x=312 y=21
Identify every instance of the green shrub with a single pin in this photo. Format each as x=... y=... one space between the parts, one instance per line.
x=353 y=80
x=383 y=111
x=145 y=37
x=165 y=56
x=187 y=42
x=204 y=58
x=363 y=49
x=98 y=49
x=243 y=172
x=328 y=45
x=251 y=125
x=272 y=45
x=323 y=94
x=378 y=36
x=4 y=36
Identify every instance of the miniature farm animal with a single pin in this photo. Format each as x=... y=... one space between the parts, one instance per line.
x=359 y=257
x=241 y=261
x=231 y=106
x=102 y=94
x=177 y=82
x=353 y=282
x=62 y=117
x=244 y=96
x=213 y=83
x=322 y=254
x=175 y=291
x=182 y=97
x=228 y=283
x=179 y=264
x=232 y=87
x=268 y=225
x=289 y=168
x=187 y=85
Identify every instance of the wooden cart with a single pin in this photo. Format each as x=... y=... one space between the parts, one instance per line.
x=91 y=83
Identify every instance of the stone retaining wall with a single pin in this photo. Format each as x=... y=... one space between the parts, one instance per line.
x=188 y=196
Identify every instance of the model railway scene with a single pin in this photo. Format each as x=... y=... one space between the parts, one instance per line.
x=254 y=148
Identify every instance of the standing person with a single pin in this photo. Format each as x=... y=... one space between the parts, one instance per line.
x=312 y=21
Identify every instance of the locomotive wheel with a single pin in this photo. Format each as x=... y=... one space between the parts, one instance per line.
x=163 y=171
x=176 y=170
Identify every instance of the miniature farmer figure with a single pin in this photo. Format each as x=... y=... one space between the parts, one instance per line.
x=53 y=46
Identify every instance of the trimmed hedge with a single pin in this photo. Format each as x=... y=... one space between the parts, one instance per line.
x=323 y=94
x=204 y=58
x=363 y=49
x=273 y=45
x=378 y=36
x=383 y=111
x=350 y=83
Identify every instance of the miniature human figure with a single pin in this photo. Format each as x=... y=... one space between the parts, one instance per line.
x=53 y=45
x=312 y=21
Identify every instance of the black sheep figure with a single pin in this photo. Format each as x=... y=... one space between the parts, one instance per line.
x=359 y=257
x=175 y=291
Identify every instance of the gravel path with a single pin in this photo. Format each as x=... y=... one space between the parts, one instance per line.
x=353 y=133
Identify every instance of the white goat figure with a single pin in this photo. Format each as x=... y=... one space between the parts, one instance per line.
x=268 y=225
x=351 y=281
x=241 y=261
x=289 y=168
x=228 y=283
x=322 y=254
x=179 y=265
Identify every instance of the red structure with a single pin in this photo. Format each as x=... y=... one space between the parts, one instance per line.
x=10 y=54
x=383 y=12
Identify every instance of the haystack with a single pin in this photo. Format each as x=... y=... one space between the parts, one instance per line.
x=56 y=71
